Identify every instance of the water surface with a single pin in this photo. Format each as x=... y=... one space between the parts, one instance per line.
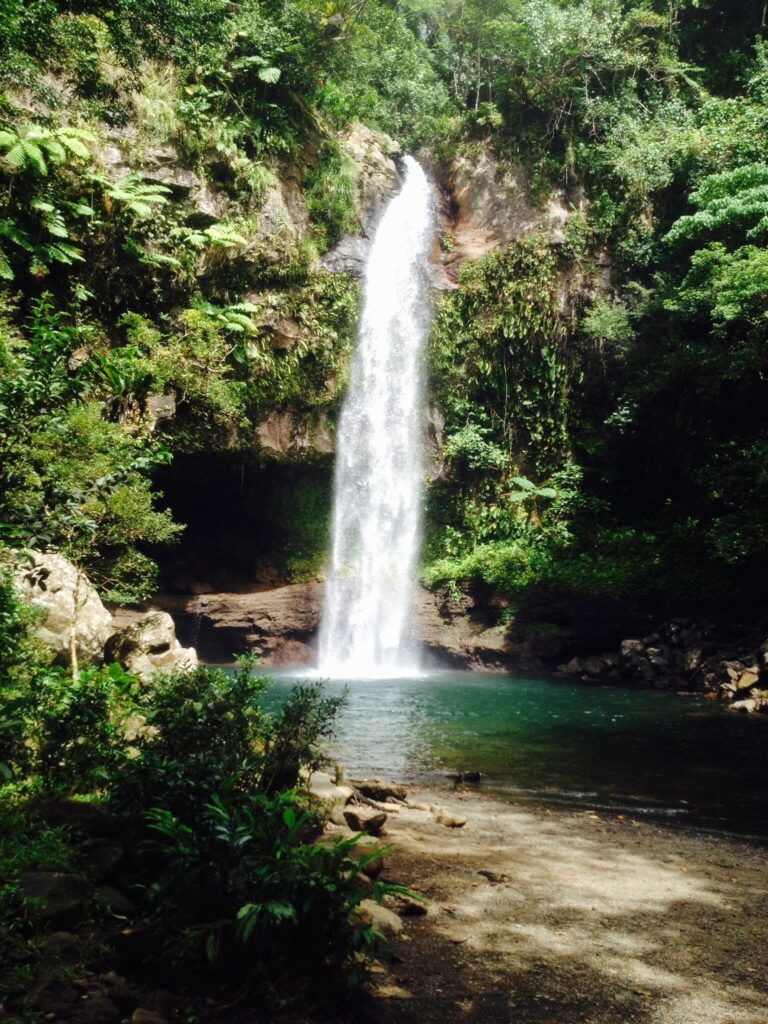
x=686 y=760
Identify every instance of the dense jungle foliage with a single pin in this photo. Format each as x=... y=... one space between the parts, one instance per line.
x=615 y=445
x=612 y=446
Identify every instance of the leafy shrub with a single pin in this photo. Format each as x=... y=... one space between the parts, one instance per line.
x=70 y=478
x=242 y=895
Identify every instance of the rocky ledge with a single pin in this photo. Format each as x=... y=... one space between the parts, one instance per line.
x=685 y=655
x=281 y=625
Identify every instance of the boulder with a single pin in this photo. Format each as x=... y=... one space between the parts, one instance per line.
x=376 y=789
x=101 y=857
x=143 y=1016
x=71 y=612
x=575 y=667
x=207 y=207
x=373 y=915
x=149 y=645
x=159 y=408
x=369 y=847
x=348 y=256
x=53 y=994
x=115 y=901
x=747 y=707
x=749 y=677
x=64 y=948
x=595 y=666
x=90 y=819
x=632 y=649
x=333 y=798
x=54 y=892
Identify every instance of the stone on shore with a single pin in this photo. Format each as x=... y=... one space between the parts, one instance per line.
x=380 y=918
x=149 y=645
x=333 y=798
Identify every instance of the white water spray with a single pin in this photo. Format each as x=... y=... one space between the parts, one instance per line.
x=367 y=623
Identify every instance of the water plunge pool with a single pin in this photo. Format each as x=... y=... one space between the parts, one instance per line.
x=648 y=754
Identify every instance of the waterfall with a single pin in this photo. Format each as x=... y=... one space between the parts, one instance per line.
x=367 y=625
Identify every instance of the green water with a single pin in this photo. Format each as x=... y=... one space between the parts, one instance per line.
x=686 y=760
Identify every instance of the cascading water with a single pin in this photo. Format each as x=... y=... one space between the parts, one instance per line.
x=366 y=630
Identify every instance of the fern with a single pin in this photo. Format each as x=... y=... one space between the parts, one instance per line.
x=237 y=318
x=33 y=147
x=220 y=234
x=138 y=196
x=6 y=271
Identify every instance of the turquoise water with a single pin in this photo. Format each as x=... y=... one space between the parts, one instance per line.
x=645 y=753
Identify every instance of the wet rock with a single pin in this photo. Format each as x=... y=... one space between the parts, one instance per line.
x=380 y=918
x=69 y=606
x=55 y=892
x=149 y=645
x=435 y=438
x=348 y=256
x=374 y=156
x=365 y=821
x=494 y=206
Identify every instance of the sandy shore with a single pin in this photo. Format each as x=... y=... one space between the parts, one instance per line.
x=578 y=918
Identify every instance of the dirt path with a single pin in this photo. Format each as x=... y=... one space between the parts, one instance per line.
x=582 y=919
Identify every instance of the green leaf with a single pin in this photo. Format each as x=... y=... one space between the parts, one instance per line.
x=269 y=75
x=30 y=153
x=76 y=147
x=6 y=271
